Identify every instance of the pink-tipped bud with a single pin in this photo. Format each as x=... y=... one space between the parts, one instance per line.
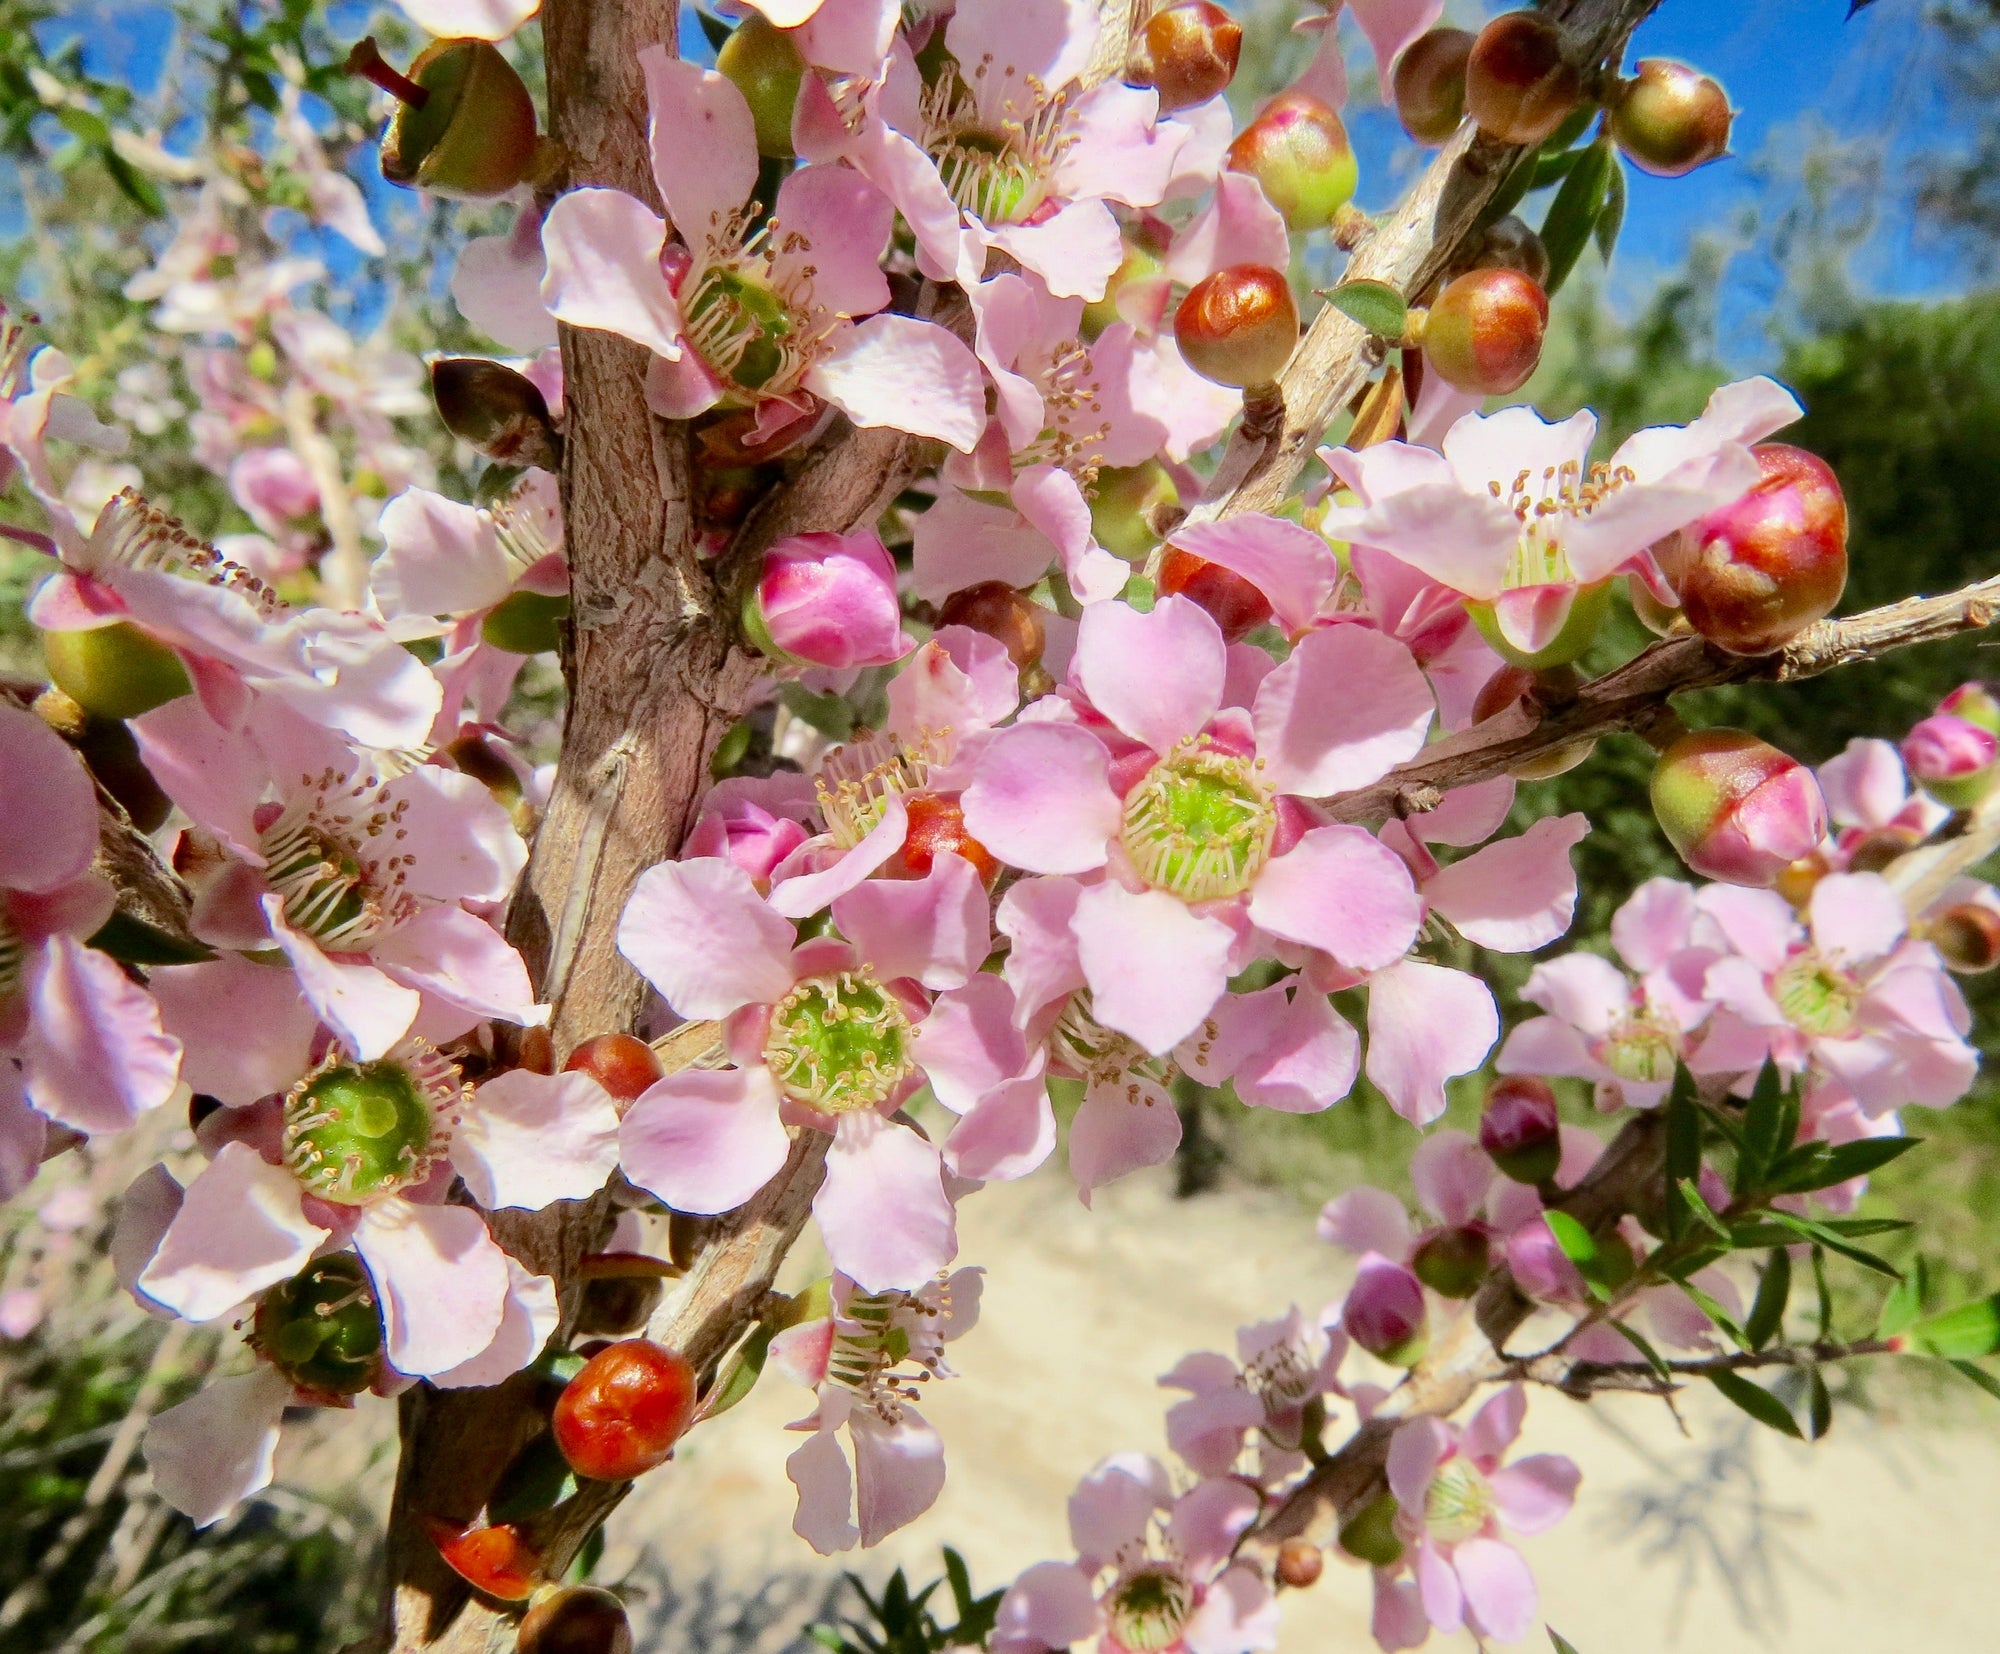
x=1453 y=1262
x=1756 y=573
x=1232 y=602
x=1429 y=84
x=1518 y=85
x=1967 y=937
x=1297 y=150
x=1538 y=1264
x=1238 y=326
x=747 y=834
x=828 y=600
x=1520 y=1129
x=1188 y=53
x=1975 y=703
x=1736 y=808
x=1385 y=1312
x=1484 y=333
x=1670 y=119
x=1952 y=759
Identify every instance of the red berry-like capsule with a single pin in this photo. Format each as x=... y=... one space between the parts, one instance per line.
x=1967 y=937
x=575 y=1619
x=1520 y=1129
x=623 y=1064
x=1238 y=326
x=621 y=1415
x=1011 y=618
x=1736 y=808
x=1755 y=573
x=1297 y=150
x=497 y=1560
x=1300 y=1563
x=1484 y=333
x=1670 y=119
x=1429 y=84
x=1188 y=53
x=937 y=826
x=1232 y=602
x=1518 y=85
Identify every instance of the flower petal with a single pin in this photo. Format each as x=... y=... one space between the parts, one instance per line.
x=1516 y=895
x=48 y=807
x=1157 y=676
x=700 y=933
x=212 y=1451
x=441 y=1282
x=1346 y=708
x=1426 y=1024
x=1127 y=1122
x=1155 y=966
x=1499 y=1590
x=934 y=929
x=1343 y=891
x=882 y=1210
x=240 y=1229
x=529 y=1139
x=907 y=375
x=603 y=251
x=1041 y=799
x=705 y=1141
x=95 y=1054
x=243 y=1028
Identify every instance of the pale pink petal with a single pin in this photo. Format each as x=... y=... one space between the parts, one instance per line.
x=212 y=773
x=907 y=375
x=1206 y=1431
x=1293 y=567
x=440 y=1281
x=1426 y=1024
x=1037 y=918
x=1499 y=1589
x=1157 y=676
x=527 y=1322
x=1346 y=708
x=1652 y=924
x=818 y=1469
x=1585 y=990
x=682 y=389
x=1856 y=916
x=801 y=1352
x=959 y=680
x=441 y=558
x=898 y=1471
x=1415 y=1452
x=882 y=1210
x=1451 y=1174
x=1051 y=1605
x=497 y=286
x=700 y=933
x=1041 y=799
x=1307 y=1061
x=1121 y=151
x=1516 y=895
x=1865 y=785
x=1051 y=40
x=243 y=1028
x=1414 y=508
x=703 y=140
x=461 y=960
x=1005 y=1134
x=603 y=251
x=239 y=1229
x=1366 y=1219
x=1209 y=1518
x=705 y=1141
x=1444 y=1597
x=24 y=1134
x=842 y=223
x=1127 y=1122
x=1398 y=1620
x=95 y=1055
x=462 y=845
x=145 y=1210
x=1340 y=889
x=1239 y=1614
x=1050 y=499
x=1113 y=1505
x=1075 y=250
x=1496 y=1426
x=1238 y=226
x=934 y=929
x=211 y=1452
x=1154 y=966
x=970 y=1042
x=48 y=807
x=961 y=541
x=1759 y=924
x=795 y=893
x=529 y=1139
x=469 y=19
x=368 y=1010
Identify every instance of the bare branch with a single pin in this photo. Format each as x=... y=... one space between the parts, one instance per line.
x=1586 y=1378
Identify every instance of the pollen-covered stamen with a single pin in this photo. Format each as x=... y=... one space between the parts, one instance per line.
x=522 y=525
x=855 y=782
x=1148 y=1608
x=1817 y=996
x=747 y=325
x=1073 y=403
x=1642 y=1049
x=1460 y=1503
x=1200 y=823
x=839 y=1042
x=356 y=1131
x=996 y=170
x=333 y=860
x=871 y=1347
x=131 y=532
x=1545 y=506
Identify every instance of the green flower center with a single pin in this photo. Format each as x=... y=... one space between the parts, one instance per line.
x=1460 y=1502
x=1816 y=997
x=320 y=1328
x=1642 y=1051
x=839 y=1042
x=322 y=883
x=357 y=1131
x=741 y=327
x=1149 y=1609
x=1200 y=824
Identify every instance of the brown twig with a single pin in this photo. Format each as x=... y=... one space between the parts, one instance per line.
x=1586 y=1378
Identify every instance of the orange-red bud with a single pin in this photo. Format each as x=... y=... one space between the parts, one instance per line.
x=1484 y=333
x=1188 y=53
x=1518 y=85
x=1429 y=84
x=1232 y=602
x=623 y=1064
x=1011 y=618
x=497 y=1560
x=1238 y=326
x=621 y=1415
x=937 y=826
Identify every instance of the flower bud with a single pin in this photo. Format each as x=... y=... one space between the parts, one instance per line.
x=1967 y=937
x=1735 y=808
x=1484 y=333
x=1187 y=52
x=766 y=68
x=1231 y=601
x=828 y=600
x=321 y=1328
x=1238 y=326
x=497 y=1559
x=1518 y=85
x=500 y=412
x=1453 y=1262
x=1670 y=119
x=1300 y=1563
x=625 y=1065
x=937 y=827
x=1385 y=1312
x=526 y=623
x=1975 y=703
x=1955 y=761
x=1757 y=572
x=1370 y=1533
x=745 y=832
x=1298 y=151
x=575 y=1619
x=1128 y=500
x=1429 y=84
x=621 y=1415
x=114 y=671
x=1519 y=1128
x=466 y=125
x=1011 y=618
x=1509 y=244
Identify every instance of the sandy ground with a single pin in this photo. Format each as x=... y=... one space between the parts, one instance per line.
x=1727 y=1542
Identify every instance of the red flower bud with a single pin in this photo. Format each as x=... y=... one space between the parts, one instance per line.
x=1300 y=1563
x=472 y=134
x=1967 y=937
x=1518 y=85
x=1670 y=119
x=114 y=671
x=625 y=1065
x=497 y=1560
x=1385 y=1312
x=1125 y=505
x=1011 y=618
x=1484 y=333
x=1188 y=52
x=937 y=826
x=621 y=1415
x=1756 y=573
x=1238 y=326
x=1298 y=151
x=1429 y=84
x=1453 y=1262
x=1519 y=1128
x=1976 y=704
x=766 y=68
x=1736 y=808
x=1232 y=602
x=1953 y=760
x=575 y=1619
x=1509 y=244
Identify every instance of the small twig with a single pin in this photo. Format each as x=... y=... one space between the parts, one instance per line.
x=1583 y=1378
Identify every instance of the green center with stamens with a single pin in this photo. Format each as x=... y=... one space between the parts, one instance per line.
x=1149 y=1609
x=1460 y=1502
x=740 y=326
x=355 y=1131
x=1642 y=1051
x=322 y=884
x=988 y=176
x=321 y=1329
x=1816 y=997
x=839 y=1042
x=1200 y=824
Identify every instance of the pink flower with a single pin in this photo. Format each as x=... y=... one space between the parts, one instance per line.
x=1153 y=1573
x=860 y=1358
x=447 y=567
x=753 y=318
x=1286 y=1364
x=274 y=487
x=830 y=600
x=739 y=825
x=1869 y=800
x=1456 y=1495
x=1952 y=759
x=80 y=1043
x=1512 y=514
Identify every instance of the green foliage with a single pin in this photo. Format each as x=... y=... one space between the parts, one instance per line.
x=901 y=1623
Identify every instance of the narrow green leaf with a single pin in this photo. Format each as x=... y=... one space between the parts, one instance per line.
x=1764 y=1136
x=1562 y=1644
x=1904 y=1303
x=742 y=1378
x=713 y=29
x=1825 y=1295
x=1821 y=1165
x=1819 y=1406
x=1856 y=1228
x=1580 y=1247
x=1978 y=1375
x=1700 y=1209
x=1774 y=1291
x=1833 y=1241
x=1611 y=217
x=137 y=187
x=1683 y=1149
x=1374 y=304
x=1573 y=214
x=1759 y=1403
x=1652 y=1356
x=1573 y=127
x=1960 y=1334
x=1551 y=166
x=1716 y=1313
x=961 y=1581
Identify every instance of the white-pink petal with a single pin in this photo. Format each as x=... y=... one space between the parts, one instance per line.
x=603 y=252
x=528 y=1139
x=48 y=808
x=933 y=929
x=95 y=1054
x=882 y=1210
x=440 y=1282
x=1347 y=707
x=705 y=1141
x=209 y=1453
x=1155 y=966
x=1041 y=799
x=239 y=1229
x=907 y=375
x=700 y=933
x=1425 y=1025
x=1157 y=676
x=1343 y=891
x=1516 y=895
